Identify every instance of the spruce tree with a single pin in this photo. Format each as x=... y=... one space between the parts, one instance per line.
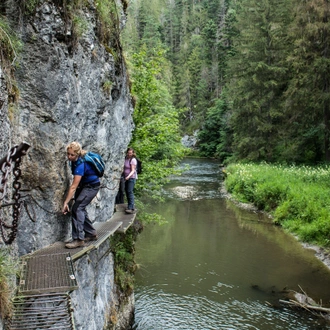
x=258 y=77
x=308 y=96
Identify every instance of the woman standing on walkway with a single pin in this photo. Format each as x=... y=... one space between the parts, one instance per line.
x=130 y=178
x=84 y=187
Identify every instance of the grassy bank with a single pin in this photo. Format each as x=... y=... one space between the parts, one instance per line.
x=297 y=197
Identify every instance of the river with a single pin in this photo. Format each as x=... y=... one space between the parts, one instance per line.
x=215 y=266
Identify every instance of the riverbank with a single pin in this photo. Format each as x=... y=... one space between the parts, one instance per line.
x=321 y=253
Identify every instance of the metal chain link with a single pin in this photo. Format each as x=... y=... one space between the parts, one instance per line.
x=28 y=212
x=9 y=238
x=103 y=185
x=5 y=169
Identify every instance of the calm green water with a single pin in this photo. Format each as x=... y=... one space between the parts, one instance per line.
x=214 y=266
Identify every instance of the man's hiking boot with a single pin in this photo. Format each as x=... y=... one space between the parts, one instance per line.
x=75 y=244
x=91 y=238
x=128 y=211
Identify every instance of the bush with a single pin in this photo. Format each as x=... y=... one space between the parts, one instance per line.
x=269 y=195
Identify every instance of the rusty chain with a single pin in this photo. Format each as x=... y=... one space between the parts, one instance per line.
x=12 y=228
x=6 y=167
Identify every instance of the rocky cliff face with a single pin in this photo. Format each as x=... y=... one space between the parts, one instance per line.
x=97 y=304
x=68 y=91
x=71 y=87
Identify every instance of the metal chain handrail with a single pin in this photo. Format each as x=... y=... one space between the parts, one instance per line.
x=13 y=157
x=5 y=169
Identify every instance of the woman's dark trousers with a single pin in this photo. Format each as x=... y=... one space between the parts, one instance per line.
x=129 y=187
x=81 y=223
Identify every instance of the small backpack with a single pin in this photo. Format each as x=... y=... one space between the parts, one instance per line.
x=138 y=165
x=97 y=162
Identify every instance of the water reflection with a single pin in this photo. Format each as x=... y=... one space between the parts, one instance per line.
x=171 y=311
x=214 y=266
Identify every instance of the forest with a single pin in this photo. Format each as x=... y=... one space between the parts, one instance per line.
x=252 y=77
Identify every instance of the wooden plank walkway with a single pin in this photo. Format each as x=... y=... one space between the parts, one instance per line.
x=49 y=273
x=126 y=220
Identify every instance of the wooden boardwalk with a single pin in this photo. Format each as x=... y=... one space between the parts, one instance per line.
x=48 y=277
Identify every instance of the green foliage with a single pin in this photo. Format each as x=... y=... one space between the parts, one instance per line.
x=268 y=195
x=10 y=44
x=107 y=25
x=278 y=80
x=122 y=247
x=198 y=58
x=80 y=25
x=107 y=86
x=214 y=138
x=156 y=136
x=30 y=5
x=10 y=47
x=107 y=11
x=8 y=268
x=196 y=48
x=308 y=103
x=258 y=76
x=298 y=197
x=146 y=217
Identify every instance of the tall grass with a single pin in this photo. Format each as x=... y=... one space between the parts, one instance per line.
x=10 y=47
x=8 y=270
x=297 y=196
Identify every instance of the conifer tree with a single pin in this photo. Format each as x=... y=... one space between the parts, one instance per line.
x=215 y=137
x=258 y=77
x=308 y=96
x=195 y=51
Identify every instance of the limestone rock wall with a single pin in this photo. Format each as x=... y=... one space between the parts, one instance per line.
x=62 y=98
x=70 y=88
x=96 y=304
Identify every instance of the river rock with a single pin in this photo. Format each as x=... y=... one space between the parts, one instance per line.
x=190 y=141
